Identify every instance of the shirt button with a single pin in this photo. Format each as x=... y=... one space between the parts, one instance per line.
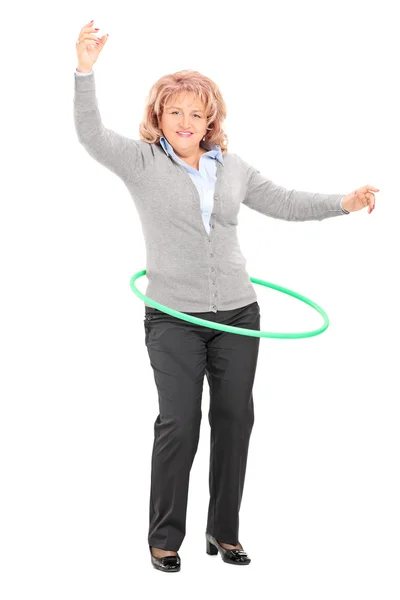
x=216 y=198
x=213 y=226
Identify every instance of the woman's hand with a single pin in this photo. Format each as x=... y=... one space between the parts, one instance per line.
x=89 y=47
x=360 y=198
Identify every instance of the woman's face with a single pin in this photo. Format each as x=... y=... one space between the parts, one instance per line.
x=184 y=112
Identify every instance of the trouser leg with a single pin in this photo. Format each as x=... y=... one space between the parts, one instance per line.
x=231 y=367
x=178 y=360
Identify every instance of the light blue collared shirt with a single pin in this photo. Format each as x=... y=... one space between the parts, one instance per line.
x=204 y=179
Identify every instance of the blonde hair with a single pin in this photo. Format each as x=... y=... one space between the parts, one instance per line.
x=169 y=86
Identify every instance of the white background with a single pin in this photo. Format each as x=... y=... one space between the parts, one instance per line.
x=313 y=103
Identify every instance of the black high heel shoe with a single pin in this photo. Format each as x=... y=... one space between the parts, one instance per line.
x=233 y=557
x=168 y=564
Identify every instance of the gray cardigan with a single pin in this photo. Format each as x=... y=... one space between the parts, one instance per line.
x=188 y=269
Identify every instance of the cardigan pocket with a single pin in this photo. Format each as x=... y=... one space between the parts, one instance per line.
x=230 y=201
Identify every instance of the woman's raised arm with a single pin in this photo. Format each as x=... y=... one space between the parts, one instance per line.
x=122 y=155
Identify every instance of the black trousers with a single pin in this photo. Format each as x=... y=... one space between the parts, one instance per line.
x=180 y=354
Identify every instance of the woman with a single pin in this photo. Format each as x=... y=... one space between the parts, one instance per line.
x=194 y=265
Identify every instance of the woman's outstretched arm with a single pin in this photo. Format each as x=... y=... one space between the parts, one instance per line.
x=273 y=200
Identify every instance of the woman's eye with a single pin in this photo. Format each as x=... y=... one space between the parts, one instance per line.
x=175 y=111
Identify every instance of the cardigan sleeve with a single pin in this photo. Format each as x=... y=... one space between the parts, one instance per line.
x=121 y=155
x=268 y=198
x=341 y=206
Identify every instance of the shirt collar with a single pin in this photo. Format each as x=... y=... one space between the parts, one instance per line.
x=213 y=150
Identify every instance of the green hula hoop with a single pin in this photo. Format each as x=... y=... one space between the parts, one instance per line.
x=229 y=328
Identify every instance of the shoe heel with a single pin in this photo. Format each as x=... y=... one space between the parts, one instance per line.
x=210 y=548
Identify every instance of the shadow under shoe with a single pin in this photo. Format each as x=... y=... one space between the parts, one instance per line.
x=169 y=564
x=233 y=557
